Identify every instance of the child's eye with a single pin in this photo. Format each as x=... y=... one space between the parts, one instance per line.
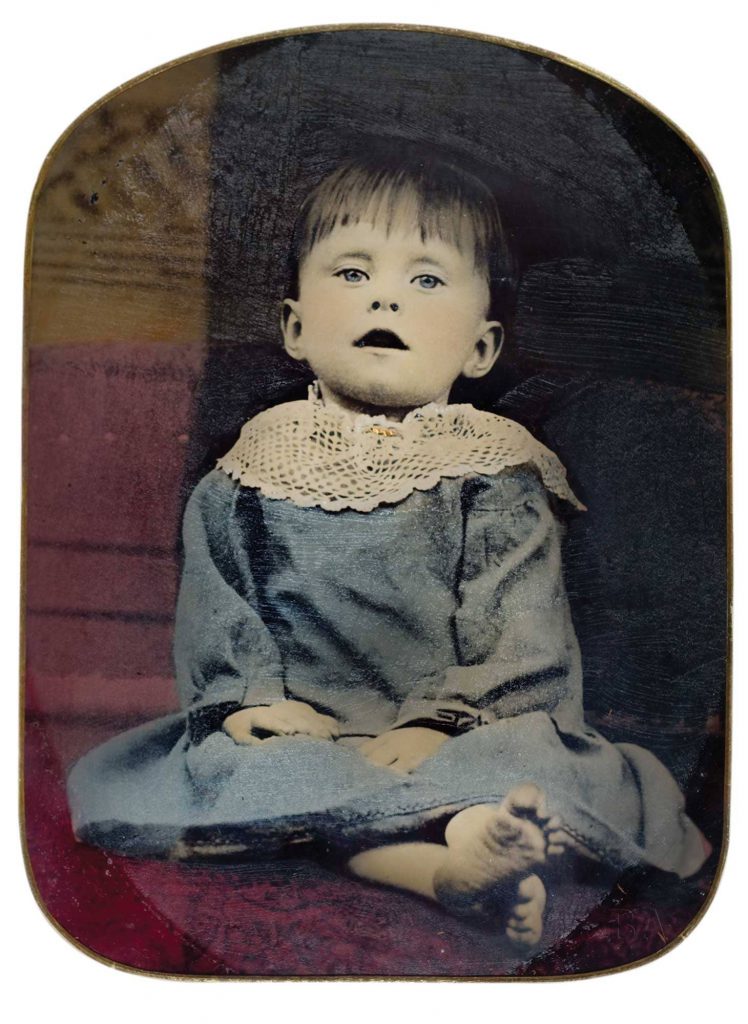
x=429 y=281
x=352 y=276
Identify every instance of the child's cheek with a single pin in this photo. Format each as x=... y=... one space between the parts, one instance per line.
x=332 y=300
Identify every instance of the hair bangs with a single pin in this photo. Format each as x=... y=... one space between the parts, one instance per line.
x=351 y=195
x=435 y=197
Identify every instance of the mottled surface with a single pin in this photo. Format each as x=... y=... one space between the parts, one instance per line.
x=121 y=221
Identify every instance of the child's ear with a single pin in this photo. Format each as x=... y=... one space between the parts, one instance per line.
x=291 y=328
x=485 y=352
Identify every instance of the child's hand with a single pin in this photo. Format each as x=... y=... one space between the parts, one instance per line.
x=403 y=749
x=287 y=718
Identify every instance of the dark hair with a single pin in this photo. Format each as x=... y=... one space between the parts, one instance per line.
x=449 y=203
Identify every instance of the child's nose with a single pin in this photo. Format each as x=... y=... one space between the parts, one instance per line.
x=377 y=304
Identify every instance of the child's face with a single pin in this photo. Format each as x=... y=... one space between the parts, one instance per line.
x=387 y=319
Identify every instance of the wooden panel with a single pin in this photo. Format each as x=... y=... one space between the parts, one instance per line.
x=120 y=227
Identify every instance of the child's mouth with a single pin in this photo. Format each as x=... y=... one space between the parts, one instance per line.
x=380 y=339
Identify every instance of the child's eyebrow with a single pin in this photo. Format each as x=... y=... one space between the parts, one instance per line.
x=428 y=260
x=358 y=255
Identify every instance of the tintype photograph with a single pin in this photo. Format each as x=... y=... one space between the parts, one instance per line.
x=376 y=516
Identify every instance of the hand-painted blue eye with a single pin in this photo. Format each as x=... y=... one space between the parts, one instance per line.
x=352 y=276
x=429 y=281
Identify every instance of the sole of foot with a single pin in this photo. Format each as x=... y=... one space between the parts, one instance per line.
x=494 y=851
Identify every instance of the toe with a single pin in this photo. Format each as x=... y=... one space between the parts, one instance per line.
x=524 y=925
x=519 y=902
x=524 y=938
x=527 y=800
x=557 y=842
x=531 y=888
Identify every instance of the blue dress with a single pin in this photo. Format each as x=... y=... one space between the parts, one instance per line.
x=445 y=608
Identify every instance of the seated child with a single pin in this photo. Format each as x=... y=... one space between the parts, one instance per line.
x=372 y=631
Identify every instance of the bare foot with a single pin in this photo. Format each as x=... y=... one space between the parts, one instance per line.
x=494 y=851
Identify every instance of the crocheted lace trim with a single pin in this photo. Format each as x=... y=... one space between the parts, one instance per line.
x=315 y=455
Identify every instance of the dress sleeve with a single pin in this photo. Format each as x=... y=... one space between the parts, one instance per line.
x=516 y=650
x=224 y=654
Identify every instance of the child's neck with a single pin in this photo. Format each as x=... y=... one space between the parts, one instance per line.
x=354 y=408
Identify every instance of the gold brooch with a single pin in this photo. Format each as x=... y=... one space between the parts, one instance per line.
x=383 y=431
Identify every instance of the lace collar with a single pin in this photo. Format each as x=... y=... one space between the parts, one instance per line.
x=315 y=455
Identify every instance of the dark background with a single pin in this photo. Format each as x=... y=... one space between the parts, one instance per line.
x=616 y=352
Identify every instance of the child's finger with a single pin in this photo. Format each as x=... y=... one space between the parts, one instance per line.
x=410 y=762
x=320 y=732
x=278 y=720
x=320 y=726
x=311 y=716
x=276 y=727
x=247 y=739
x=331 y=724
x=291 y=721
x=371 y=746
x=380 y=755
x=264 y=718
x=406 y=762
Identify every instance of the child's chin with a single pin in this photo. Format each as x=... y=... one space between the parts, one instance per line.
x=392 y=396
